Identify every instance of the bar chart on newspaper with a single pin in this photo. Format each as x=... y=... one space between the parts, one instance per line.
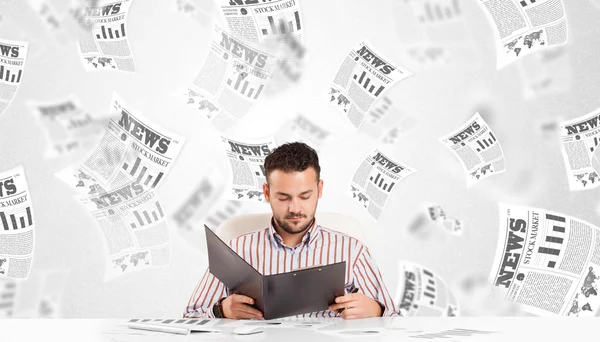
x=436 y=11
x=485 y=141
x=364 y=81
x=16 y=220
x=7 y=76
x=107 y=32
x=282 y=24
x=148 y=216
x=239 y=81
x=138 y=170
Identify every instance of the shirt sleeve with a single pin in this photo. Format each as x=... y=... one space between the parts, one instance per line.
x=370 y=282
x=208 y=291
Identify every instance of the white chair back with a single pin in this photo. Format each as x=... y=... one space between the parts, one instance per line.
x=242 y=224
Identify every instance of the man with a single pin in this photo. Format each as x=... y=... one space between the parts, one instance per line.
x=295 y=240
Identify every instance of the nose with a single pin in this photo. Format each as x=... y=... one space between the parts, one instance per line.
x=294 y=207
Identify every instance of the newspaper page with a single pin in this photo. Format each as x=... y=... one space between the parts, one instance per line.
x=423 y=293
x=435 y=33
x=12 y=65
x=77 y=10
x=67 y=126
x=231 y=81
x=290 y=65
x=304 y=130
x=476 y=146
x=522 y=27
x=362 y=78
x=8 y=288
x=106 y=46
x=247 y=161
x=450 y=224
x=386 y=122
x=134 y=226
x=259 y=21
x=547 y=262
x=206 y=192
x=132 y=148
x=49 y=16
x=580 y=137
x=17 y=237
x=374 y=181
x=547 y=73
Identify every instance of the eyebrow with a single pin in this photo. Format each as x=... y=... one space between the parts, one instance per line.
x=284 y=194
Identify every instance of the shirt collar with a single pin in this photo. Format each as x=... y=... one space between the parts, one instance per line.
x=309 y=238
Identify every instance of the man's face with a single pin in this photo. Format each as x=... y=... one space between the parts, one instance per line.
x=293 y=198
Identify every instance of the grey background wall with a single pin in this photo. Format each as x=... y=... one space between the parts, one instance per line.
x=169 y=49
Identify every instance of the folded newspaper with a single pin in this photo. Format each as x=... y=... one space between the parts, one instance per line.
x=476 y=146
x=13 y=55
x=17 y=233
x=547 y=262
x=67 y=125
x=580 y=141
x=260 y=21
x=522 y=27
x=247 y=160
x=422 y=293
x=231 y=80
x=362 y=78
x=106 y=45
x=373 y=181
x=117 y=183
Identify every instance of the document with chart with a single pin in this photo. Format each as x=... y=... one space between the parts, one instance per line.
x=580 y=139
x=476 y=146
x=231 y=80
x=132 y=148
x=363 y=77
x=374 y=181
x=68 y=127
x=12 y=65
x=106 y=45
x=261 y=21
x=522 y=27
x=548 y=262
x=247 y=159
x=17 y=234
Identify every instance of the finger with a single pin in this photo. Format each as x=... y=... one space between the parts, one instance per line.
x=348 y=297
x=351 y=317
x=243 y=299
x=243 y=315
x=334 y=307
x=352 y=312
x=250 y=310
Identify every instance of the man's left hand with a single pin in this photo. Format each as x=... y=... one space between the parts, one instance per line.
x=356 y=305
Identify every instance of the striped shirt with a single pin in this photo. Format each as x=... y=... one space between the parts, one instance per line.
x=265 y=251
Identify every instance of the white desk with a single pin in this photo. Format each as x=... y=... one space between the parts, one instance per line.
x=400 y=329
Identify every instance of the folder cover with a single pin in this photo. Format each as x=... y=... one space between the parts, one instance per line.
x=278 y=295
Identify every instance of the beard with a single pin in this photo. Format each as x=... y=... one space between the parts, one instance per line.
x=291 y=230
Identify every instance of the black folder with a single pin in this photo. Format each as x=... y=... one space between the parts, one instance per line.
x=277 y=295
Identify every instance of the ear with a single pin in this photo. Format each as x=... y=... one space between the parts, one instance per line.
x=320 y=187
x=266 y=192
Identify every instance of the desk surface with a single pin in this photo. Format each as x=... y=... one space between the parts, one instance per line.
x=381 y=329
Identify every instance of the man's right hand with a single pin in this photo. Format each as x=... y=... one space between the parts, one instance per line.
x=239 y=307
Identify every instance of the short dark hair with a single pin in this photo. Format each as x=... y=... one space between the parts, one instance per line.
x=292 y=157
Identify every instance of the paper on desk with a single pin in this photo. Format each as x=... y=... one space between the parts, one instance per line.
x=375 y=326
x=287 y=323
